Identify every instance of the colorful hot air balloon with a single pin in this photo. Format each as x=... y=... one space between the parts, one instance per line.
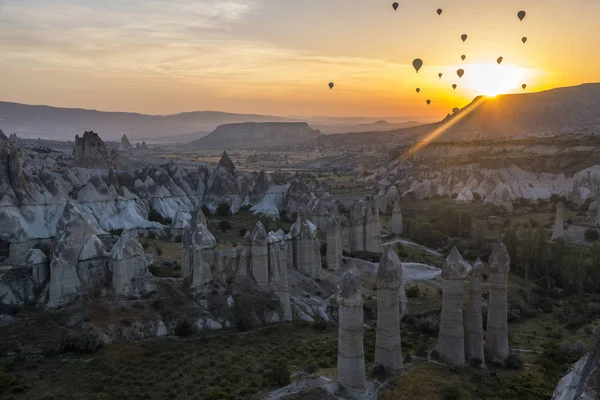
x=524 y=86
x=440 y=74
x=521 y=14
x=395 y=5
x=524 y=39
x=464 y=37
x=418 y=90
x=460 y=73
x=463 y=57
x=417 y=64
x=330 y=85
x=454 y=86
x=428 y=102
x=439 y=11
x=499 y=60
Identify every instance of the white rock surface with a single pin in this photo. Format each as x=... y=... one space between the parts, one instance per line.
x=396 y=227
x=559 y=231
x=334 y=243
x=351 y=357
x=306 y=249
x=473 y=321
x=496 y=344
x=388 y=346
x=260 y=256
x=127 y=264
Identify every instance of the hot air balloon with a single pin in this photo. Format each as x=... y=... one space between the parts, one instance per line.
x=439 y=11
x=418 y=90
x=499 y=60
x=440 y=74
x=460 y=73
x=330 y=85
x=524 y=86
x=463 y=57
x=454 y=86
x=521 y=15
x=395 y=5
x=417 y=63
x=524 y=39
x=428 y=102
x=464 y=37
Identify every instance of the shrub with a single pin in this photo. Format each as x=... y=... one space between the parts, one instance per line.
x=116 y=232
x=87 y=340
x=224 y=210
x=412 y=291
x=320 y=324
x=593 y=308
x=155 y=216
x=574 y=350
x=205 y=210
x=475 y=362
x=592 y=235
x=184 y=328
x=224 y=226
x=452 y=393
x=514 y=315
x=145 y=244
x=513 y=361
x=278 y=375
x=178 y=239
x=242 y=232
x=429 y=324
x=158 y=249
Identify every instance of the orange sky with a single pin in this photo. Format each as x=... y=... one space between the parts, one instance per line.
x=277 y=56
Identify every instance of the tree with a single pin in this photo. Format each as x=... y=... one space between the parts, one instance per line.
x=224 y=210
x=592 y=235
x=224 y=226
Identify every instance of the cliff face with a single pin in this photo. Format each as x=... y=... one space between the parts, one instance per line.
x=251 y=134
x=90 y=152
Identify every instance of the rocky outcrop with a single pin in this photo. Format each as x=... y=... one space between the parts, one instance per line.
x=73 y=231
x=298 y=195
x=598 y=217
x=351 y=357
x=388 y=346
x=334 y=243
x=307 y=256
x=126 y=144
x=37 y=262
x=197 y=252
x=582 y=382
x=90 y=152
x=226 y=184
x=357 y=226
x=128 y=265
x=372 y=228
x=473 y=320
x=345 y=234
x=260 y=256
x=451 y=342
x=320 y=208
x=559 y=231
x=396 y=227
x=278 y=273
x=496 y=344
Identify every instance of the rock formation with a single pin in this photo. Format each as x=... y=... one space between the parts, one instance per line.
x=307 y=256
x=197 y=252
x=372 y=228
x=559 y=231
x=334 y=243
x=90 y=152
x=357 y=226
x=345 y=234
x=598 y=217
x=320 y=208
x=496 y=344
x=260 y=256
x=451 y=342
x=396 y=227
x=582 y=382
x=126 y=144
x=278 y=274
x=388 y=347
x=128 y=264
x=351 y=357
x=472 y=319
x=37 y=262
x=73 y=231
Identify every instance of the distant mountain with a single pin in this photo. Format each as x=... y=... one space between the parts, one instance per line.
x=377 y=126
x=554 y=112
x=256 y=135
x=30 y=121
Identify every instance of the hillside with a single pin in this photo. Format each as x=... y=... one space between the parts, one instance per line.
x=378 y=126
x=554 y=112
x=55 y=123
x=256 y=135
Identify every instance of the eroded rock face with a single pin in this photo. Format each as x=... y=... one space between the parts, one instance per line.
x=278 y=274
x=345 y=233
x=496 y=344
x=73 y=231
x=307 y=257
x=451 y=342
x=260 y=255
x=90 y=152
x=559 y=231
x=396 y=227
x=351 y=359
x=320 y=208
x=126 y=144
x=128 y=264
x=388 y=346
x=372 y=228
x=474 y=343
x=38 y=263
x=334 y=243
x=357 y=226
x=197 y=251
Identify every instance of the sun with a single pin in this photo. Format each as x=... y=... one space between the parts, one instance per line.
x=493 y=79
